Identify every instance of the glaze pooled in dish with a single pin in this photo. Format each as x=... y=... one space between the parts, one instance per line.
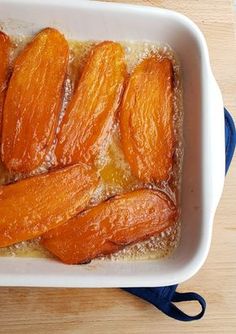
x=115 y=129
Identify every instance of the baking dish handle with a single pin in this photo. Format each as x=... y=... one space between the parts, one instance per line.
x=165 y=297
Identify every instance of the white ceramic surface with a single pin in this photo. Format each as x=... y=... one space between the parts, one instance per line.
x=204 y=160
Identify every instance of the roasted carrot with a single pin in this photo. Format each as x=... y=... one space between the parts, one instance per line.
x=146 y=120
x=91 y=111
x=35 y=205
x=33 y=101
x=5 y=47
x=111 y=225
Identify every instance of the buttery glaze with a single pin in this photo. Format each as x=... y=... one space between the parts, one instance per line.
x=113 y=168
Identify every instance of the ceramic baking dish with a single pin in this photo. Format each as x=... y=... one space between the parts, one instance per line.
x=204 y=161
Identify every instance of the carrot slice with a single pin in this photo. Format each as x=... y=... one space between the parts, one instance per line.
x=35 y=205
x=146 y=120
x=33 y=101
x=5 y=47
x=91 y=110
x=111 y=225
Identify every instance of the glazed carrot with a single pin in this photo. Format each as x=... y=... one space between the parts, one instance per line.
x=91 y=111
x=35 y=205
x=33 y=101
x=5 y=47
x=146 y=120
x=110 y=226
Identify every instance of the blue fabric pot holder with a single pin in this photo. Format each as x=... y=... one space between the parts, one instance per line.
x=164 y=298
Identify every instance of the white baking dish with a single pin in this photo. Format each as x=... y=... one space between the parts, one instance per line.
x=204 y=159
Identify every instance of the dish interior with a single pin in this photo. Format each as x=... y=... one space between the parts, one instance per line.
x=114 y=170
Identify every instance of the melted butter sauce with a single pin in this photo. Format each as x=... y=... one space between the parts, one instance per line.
x=114 y=170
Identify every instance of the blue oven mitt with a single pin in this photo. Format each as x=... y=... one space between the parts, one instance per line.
x=165 y=297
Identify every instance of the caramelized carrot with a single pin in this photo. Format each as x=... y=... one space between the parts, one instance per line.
x=110 y=226
x=33 y=101
x=5 y=47
x=146 y=120
x=91 y=110
x=35 y=205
